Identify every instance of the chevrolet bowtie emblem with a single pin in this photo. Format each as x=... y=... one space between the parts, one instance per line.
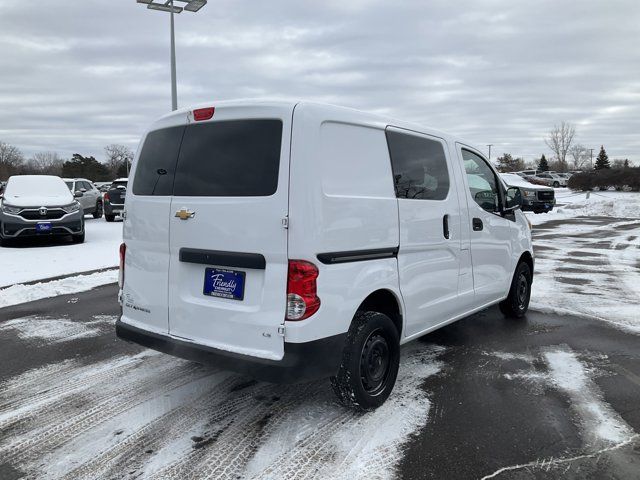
x=184 y=214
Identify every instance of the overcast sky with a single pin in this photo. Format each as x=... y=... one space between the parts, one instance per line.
x=78 y=75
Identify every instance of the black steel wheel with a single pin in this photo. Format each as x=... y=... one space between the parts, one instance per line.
x=370 y=362
x=517 y=303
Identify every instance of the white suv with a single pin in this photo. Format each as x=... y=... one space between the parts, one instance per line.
x=299 y=241
x=87 y=195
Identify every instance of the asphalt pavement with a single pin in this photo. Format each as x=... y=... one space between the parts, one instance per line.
x=548 y=396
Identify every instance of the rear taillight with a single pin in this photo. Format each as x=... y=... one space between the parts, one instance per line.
x=106 y=197
x=123 y=251
x=302 y=298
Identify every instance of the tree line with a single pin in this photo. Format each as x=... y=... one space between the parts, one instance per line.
x=117 y=163
x=567 y=155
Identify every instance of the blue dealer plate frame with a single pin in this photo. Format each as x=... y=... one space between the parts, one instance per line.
x=223 y=283
x=43 y=227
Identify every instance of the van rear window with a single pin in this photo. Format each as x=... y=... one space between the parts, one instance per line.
x=236 y=158
x=157 y=162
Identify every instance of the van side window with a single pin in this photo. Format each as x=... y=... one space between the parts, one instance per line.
x=419 y=167
x=157 y=162
x=483 y=183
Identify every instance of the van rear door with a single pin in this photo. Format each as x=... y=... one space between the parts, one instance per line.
x=228 y=244
x=146 y=231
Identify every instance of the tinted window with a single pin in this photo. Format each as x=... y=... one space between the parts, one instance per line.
x=229 y=159
x=483 y=184
x=419 y=167
x=157 y=161
x=70 y=185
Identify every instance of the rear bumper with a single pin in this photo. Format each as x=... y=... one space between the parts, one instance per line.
x=301 y=361
x=113 y=209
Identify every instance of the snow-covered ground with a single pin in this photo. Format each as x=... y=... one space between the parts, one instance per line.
x=588 y=257
x=29 y=261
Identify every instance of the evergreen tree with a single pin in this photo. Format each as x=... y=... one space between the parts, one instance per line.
x=543 y=165
x=602 y=161
x=85 y=167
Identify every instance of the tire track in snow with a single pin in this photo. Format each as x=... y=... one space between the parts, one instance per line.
x=73 y=407
x=154 y=416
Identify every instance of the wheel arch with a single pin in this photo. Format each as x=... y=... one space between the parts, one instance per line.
x=527 y=258
x=384 y=301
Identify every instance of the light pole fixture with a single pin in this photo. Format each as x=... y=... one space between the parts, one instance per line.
x=489 y=145
x=168 y=6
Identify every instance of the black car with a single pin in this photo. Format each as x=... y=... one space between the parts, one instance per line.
x=114 y=199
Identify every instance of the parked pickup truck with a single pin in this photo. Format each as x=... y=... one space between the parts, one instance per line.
x=535 y=198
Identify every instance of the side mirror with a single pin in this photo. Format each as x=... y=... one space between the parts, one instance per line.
x=78 y=193
x=513 y=199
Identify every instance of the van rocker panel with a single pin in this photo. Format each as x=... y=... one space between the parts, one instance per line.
x=301 y=362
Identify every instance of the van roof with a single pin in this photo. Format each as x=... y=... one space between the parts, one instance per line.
x=357 y=116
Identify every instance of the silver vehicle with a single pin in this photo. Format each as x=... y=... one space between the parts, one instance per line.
x=552 y=179
x=39 y=205
x=87 y=195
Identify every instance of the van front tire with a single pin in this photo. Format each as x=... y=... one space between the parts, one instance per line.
x=517 y=303
x=370 y=362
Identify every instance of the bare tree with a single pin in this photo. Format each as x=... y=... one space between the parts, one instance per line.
x=45 y=163
x=11 y=160
x=580 y=155
x=560 y=140
x=117 y=156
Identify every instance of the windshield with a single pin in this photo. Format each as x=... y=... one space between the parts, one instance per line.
x=36 y=185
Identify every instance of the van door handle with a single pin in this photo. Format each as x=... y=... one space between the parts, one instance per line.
x=477 y=225
x=445 y=226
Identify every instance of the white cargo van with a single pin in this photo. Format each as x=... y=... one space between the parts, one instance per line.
x=294 y=241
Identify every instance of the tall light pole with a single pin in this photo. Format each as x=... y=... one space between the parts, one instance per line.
x=168 y=6
x=490 y=145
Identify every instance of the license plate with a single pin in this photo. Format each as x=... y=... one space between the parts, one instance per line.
x=223 y=283
x=43 y=227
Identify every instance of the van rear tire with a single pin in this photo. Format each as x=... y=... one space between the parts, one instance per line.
x=109 y=218
x=370 y=362
x=517 y=303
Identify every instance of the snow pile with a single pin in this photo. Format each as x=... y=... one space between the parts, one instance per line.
x=17 y=294
x=592 y=204
x=25 y=262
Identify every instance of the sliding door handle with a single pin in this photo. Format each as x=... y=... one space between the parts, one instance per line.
x=445 y=226
x=477 y=225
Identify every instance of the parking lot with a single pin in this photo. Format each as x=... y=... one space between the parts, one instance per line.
x=551 y=396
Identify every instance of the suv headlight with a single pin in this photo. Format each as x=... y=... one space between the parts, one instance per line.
x=73 y=207
x=9 y=209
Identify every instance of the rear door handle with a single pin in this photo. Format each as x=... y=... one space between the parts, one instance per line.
x=477 y=225
x=445 y=226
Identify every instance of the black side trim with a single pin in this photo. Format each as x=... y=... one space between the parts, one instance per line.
x=301 y=362
x=224 y=259
x=357 y=255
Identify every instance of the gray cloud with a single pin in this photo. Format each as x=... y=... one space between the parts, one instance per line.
x=75 y=76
